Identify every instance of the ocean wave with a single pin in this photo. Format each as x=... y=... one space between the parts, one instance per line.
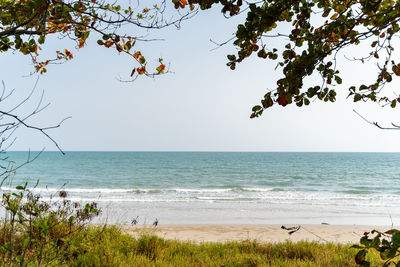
x=357 y=192
x=272 y=195
x=289 y=202
x=258 y=189
x=116 y=200
x=211 y=190
x=88 y=190
x=154 y=190
x=223 y=190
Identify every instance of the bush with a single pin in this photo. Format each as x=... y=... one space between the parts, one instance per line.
x=35 y=232
x=387 y=244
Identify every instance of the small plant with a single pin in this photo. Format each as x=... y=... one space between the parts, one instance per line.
x=387 y=244
x=39 y=232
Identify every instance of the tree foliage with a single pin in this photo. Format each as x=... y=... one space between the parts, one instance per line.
x=318 y=30
x=25 y=25
x=314 y=32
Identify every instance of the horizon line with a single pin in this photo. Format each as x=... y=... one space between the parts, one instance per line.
x=205 y=151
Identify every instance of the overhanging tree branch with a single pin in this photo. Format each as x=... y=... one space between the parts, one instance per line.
x=395 y=127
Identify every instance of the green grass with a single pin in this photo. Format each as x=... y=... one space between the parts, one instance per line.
x=108 y=246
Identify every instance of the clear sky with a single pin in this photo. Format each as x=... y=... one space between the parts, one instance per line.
x=201 y=106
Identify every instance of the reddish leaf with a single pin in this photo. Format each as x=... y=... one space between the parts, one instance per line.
x=137 y=55
x=183 y=3
x=81 y=43
x=118 y=47
x=68 y=54
x=282 y=100
x=161 y=68
x=108 y=43
x=141 y=70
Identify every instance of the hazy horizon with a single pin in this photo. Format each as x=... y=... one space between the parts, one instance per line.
x=201 y=151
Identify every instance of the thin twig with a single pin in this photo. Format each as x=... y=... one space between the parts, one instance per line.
x=376 y=124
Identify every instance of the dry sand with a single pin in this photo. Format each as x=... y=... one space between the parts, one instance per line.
x=261 y=233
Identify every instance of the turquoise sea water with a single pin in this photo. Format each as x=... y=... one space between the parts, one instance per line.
x=219 y=187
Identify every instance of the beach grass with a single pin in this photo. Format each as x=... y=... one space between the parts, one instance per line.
x=110 y=246
x=120 y=249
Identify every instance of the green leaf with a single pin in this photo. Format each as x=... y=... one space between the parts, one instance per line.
x=365 y=241
x=396 y=70
x=388 y=77
x=357 y=97
x=385 y=243
x=392 y=231
x=26 y=241
x=334 y=16
x=326 y=12
x=231 y=57
x=338 y=79
x=392 y=252
x=396 y=237
x=360 y=257
x=41 y=39
x=256 y=108
x=365 y=264
x=71 y=219
x=375 y=242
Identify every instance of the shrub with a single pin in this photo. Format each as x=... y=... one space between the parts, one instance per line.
x=38 y=232
x=387 y=244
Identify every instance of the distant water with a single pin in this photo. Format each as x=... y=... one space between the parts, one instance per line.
x=219 y=187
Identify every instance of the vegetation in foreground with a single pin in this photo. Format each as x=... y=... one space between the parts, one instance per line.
x=108 y=246
x=57 y=233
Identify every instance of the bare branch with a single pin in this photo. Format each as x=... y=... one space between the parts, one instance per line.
x=395 y=127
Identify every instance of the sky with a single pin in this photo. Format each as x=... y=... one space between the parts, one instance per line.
x=201 y=106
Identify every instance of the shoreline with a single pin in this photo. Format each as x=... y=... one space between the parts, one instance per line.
x=261 y=233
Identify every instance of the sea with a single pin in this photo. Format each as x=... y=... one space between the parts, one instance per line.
x=221 y=187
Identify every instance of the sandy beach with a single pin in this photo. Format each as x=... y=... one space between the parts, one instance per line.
x=261 y=233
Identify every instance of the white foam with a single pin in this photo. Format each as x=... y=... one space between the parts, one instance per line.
x=249 y=194
x=85 y=190
x=211 y=190
x=257 y=189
